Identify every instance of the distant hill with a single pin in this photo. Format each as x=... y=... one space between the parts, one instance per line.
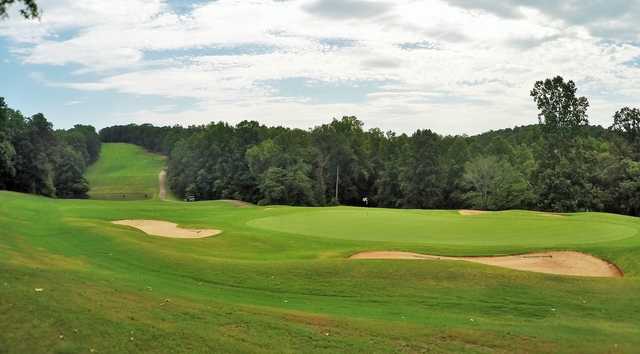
x=125 y=171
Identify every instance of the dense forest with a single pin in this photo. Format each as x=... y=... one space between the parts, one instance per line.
x=560 y=164
x=36 y=159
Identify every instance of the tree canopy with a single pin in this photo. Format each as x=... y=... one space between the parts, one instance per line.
x=36 y=159
x=560 y=164
x=29 y=10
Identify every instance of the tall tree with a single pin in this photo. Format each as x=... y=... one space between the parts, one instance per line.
x=494 y=184
x=422 y=179
x=561 y=176
x=7 y=151
x=626 y=122
x=34 y=167
x=562 y=113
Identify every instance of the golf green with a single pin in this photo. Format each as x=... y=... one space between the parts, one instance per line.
x=448 y=227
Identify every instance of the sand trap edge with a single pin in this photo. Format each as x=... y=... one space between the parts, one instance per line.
x=167 y=229
x=469 y=212
x=568 y=263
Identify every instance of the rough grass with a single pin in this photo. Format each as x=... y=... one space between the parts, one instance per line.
x=124 y=172
x=261 y=290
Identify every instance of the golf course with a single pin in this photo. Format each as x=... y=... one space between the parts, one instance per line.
x=129 y=271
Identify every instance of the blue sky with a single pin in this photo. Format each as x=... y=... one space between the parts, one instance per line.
x=453 y=66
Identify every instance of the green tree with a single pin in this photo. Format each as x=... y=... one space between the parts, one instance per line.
x=455 y=156
x=7 y=151
x=340 y=146
x=626 y=122
x=388 y=189
x=281 y=171
x=422 y=178
x=69 y=169
x=34 y=167
x=30 y=8
x=494 y=184
x=561 y=176
x=562 y=113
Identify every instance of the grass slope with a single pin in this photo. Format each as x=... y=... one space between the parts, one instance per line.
x=125 y=171
x=265 y=287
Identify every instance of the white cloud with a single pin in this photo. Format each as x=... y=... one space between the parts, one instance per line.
x=453 y=68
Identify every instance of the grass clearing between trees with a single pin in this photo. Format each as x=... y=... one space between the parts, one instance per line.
x=125 y=172
x=279 y=279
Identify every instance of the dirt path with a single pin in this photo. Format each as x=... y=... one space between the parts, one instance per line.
x=162 y=180
x=560 y=262
x=167 y=229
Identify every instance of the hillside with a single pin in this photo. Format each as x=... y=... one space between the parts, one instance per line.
x=125 y=171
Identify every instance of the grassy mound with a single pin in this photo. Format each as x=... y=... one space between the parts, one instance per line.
x=260 y=287
x=125 y=172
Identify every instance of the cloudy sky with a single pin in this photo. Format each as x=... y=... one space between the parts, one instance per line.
x=453 y=66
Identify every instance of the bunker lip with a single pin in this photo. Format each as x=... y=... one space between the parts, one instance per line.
x=555 y=262
x=167 y=229
x=469 y=212
x=473 y=212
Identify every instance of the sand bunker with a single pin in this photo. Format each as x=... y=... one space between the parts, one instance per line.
x=561 y=262
x=167 y=229
x=471 y=212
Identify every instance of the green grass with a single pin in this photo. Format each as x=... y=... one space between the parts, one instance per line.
x=278 y=281
x=448 y=227
x=124 y=172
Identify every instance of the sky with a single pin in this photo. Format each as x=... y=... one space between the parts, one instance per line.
x=452 y=66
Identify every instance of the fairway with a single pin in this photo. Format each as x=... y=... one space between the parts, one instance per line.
x=279 y=279
x=125 y=172
x=521 y=228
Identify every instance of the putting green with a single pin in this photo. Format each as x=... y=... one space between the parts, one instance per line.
x=447 y=227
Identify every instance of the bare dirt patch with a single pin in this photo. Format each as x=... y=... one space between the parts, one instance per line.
x=557 y=262
x=162 y=181
x=167 y=229
x=466 y=212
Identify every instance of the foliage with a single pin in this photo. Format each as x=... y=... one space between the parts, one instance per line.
x=35 y=159
x=561 y=112
x=556 y=165
x=276 y=165
x=29 y=11
x=626 y=122
x=494 y=184
x=561 y=177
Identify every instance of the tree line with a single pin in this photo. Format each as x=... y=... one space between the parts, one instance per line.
x=561 y=164
x=36 y=159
